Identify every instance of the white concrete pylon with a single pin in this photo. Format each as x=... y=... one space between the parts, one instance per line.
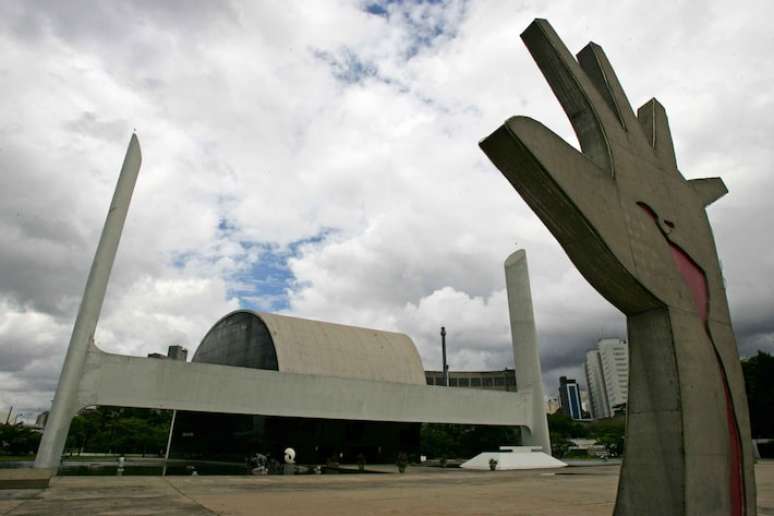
x=525 y=349
x=65 y=404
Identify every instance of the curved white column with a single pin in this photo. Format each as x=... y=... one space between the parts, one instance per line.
x=65 y=403
x=525 y=349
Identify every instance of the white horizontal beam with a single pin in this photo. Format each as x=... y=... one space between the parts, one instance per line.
x=118 y=380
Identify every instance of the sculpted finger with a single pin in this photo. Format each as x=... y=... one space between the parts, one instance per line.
x=576 y=200
x=709 y=189
x=595 y=63
x=554 y=178
x=653 y=118
x=588 y=112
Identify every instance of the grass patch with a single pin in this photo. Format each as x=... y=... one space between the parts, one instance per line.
x=14 y=458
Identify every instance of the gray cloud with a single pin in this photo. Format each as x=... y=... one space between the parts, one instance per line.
x=240 y=122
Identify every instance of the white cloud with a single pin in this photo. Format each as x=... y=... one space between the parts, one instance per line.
x=268 y=125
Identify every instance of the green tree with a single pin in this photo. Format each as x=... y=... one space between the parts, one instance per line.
x=613 y=443
x=560 y=444
x=439 y=440
x=119 y=430
x=606 y=432
x=464 y=441
x=758 y=374
x=564 y=426
x=480 y=438
x=18 y=439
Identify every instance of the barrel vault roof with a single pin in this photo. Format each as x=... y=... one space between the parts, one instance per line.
x=306 y=346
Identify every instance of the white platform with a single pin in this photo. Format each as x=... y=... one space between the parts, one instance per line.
x=515 y=457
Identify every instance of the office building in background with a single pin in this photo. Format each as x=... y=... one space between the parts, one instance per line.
x=607 y=377
x=569 y=398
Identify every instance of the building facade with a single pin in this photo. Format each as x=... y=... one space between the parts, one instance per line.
x=177 y=353
x=570 y=398
x=504 y=380
x=173 y=353
x=595 y=384
x=292 y=345
x=607 y=377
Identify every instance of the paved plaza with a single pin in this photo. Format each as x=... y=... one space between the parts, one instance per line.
x=580 y=491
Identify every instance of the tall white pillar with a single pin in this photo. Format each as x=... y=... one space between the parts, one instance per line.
x=525 y=348
x=65 y=404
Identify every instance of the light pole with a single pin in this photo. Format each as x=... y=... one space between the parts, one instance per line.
x=445 y=365
x=169 y=443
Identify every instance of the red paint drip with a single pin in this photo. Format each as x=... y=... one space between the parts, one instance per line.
x=696 y=281
x=737 y=484
x=694 y=278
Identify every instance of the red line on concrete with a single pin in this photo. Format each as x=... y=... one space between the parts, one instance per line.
x=696 y=281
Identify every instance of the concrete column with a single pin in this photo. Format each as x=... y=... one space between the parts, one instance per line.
x=525 y=348
x=65 y=404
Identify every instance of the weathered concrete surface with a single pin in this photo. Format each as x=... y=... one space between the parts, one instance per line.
x=583 y=491
x=124 y=381
x=526 y=355
x=65 y=404
x=638 y=232
x=25 y=478
x=103 y=495
x=764 y=479
x=306 y=346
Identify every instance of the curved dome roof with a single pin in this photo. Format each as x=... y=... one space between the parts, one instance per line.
x=289 y=344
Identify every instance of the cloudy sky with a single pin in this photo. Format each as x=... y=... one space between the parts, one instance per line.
x=320 y=159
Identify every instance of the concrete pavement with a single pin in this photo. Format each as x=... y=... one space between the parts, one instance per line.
x=582 y=491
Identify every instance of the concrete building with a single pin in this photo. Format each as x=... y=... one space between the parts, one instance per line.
x=595 y=384
x=607 y=376
x=614 y=356
x=301 y=346
x=292 y=345
x=173 y=353
x=177 y=353
x=570 y=398
x=504 y=380
x=285 y=367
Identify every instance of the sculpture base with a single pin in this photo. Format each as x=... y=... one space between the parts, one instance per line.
x=514 y=457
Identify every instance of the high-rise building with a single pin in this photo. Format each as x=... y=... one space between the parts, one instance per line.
x=177 y=353
x=569 y=397
x=585 y=404
x=173 y=353
x=595 y=384
x=607 y=377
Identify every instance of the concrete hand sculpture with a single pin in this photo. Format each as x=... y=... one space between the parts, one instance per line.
x=638 y=232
